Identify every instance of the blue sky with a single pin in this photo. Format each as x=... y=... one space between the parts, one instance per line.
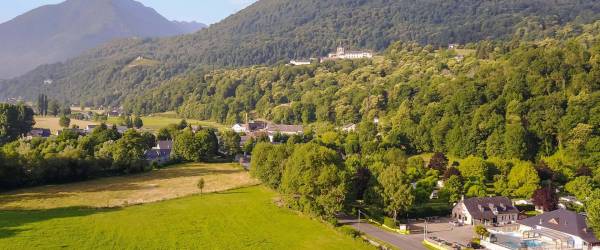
x=206 y=11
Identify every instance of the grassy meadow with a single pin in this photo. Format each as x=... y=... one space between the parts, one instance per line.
x=65 y=217
x=53 y=124
x=148 y=187
x=159 y=121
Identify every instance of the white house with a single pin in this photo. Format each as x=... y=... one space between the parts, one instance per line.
x=486 y=211
x=239 y=128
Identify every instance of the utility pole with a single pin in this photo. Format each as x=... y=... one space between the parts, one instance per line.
x=425 y=231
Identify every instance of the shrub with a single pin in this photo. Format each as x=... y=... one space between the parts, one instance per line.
x=389 y=222
x=348 y=230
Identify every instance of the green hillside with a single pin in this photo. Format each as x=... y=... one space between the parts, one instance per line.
x=273 y=30
x=512 y=100
x=238 y=219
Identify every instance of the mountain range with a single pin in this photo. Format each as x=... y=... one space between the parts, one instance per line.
x=54 y=33
x=274 y=31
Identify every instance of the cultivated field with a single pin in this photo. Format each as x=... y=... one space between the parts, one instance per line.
x=53 y=124
x=245 y=218
x=119 y=191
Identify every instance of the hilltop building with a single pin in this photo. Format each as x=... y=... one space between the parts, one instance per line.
x=342 y=53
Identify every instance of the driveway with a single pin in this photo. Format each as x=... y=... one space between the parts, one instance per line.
x=403 y=242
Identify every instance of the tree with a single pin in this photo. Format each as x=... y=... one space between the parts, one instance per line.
x=593 y=215
x=523 y=179
x=474 y=167
x=451 y=171
x=481 y=231
x=582 y=187
x=452 y=190
x=186 y=146
x=230 y=143
x=397 y=192
x=201 y=184
x=268 y=163
x=64 y=121
x=137 y=122
x=42 y=105
x=439 y=162
x=515 y=141
x=15 y=121
x=546 y=198
x=314 y=180
x=53 y=108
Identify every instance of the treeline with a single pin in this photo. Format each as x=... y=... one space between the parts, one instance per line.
x=104 y=152
x=71 y=157
x=328 y=172
x=297 y=29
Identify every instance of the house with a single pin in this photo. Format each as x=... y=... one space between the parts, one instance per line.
x=486 y=211
x=434 y=195
x=570 y=200
x=161 y=153
x=159 y=156
x=122 y=129
x=90 y=128
x=239 y=128
x=113 y=113
x=349 y=128
x=300 y=62
x=285 y=129
x=560 y=228
x=39 y=132
x=453 y=46
x=341 y=53
x=249 y=127
x=164 y=145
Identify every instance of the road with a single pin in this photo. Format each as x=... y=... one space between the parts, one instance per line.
x=403 y=242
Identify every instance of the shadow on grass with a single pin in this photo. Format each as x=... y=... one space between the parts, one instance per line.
x=14 y=222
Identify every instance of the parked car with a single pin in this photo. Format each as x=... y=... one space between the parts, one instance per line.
x=455 y=223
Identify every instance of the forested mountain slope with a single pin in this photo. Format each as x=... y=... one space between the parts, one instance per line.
x=512 y=100
x=273 y=30
x=53 y=33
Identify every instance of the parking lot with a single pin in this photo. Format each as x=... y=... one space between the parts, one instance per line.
x=443 y=230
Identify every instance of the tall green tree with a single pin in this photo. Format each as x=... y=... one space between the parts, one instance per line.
x=397 y=192
x=314 y=180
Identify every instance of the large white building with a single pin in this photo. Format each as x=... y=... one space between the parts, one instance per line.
x=342 y=53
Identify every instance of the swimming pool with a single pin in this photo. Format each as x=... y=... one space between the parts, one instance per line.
x=529 y=243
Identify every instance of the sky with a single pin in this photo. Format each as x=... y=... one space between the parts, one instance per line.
x=205 y=11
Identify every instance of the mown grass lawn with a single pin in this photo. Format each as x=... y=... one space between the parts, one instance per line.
x=239 y=219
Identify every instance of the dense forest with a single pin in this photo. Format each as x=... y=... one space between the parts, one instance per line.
x=274 y=30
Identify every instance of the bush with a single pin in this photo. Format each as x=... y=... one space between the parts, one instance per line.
x=348 y=230
x=525 y=207
x=389 y=222
x=430 y=209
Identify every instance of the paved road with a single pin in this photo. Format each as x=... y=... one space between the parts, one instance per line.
x=404 y=242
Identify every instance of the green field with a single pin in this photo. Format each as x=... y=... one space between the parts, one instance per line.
x=239 y=219
x=157 y=122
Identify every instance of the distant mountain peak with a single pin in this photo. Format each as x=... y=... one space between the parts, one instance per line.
x=54 y=33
